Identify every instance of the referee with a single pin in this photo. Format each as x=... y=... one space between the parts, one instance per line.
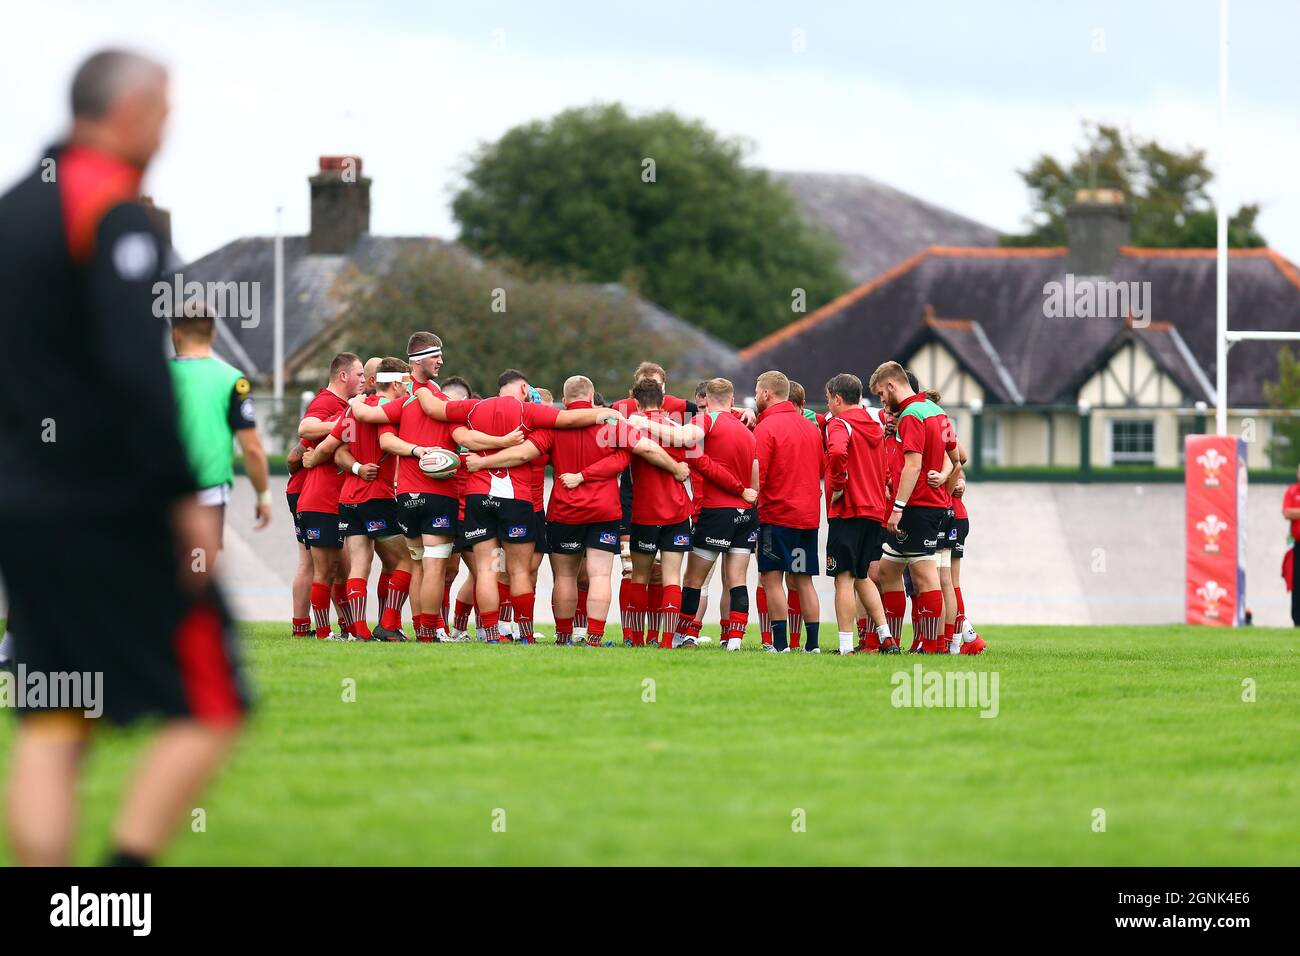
x=101 y=526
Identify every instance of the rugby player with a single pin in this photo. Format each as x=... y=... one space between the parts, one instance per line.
x=499 y=507
x=919 y=511
x=214 y=412
x=429 y=508
x=855 y=508
x=728 y=521
x=583 y=515
x=107 y=500
x=368 y=517
x=789 y=455
x=318 y=501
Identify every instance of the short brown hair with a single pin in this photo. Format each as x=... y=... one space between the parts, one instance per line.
x=887 y=372
x=776 y=383
x=933 y=395
x=648 y=393
x=419 y=341
x=392 y=364
x=847 y=387
x=648 y=369
x=797 y=394
x=195 y=321
x=343 y=361
x=719 y=389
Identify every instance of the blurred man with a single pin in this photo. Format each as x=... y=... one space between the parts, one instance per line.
x=788 y=448
x=214 y=410
x=104 y=497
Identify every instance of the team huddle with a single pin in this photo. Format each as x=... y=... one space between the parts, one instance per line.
x=429 y=477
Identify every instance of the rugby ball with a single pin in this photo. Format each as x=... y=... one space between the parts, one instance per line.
x=439 y=463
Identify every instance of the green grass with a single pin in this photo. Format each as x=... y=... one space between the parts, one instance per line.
x=1145 y=723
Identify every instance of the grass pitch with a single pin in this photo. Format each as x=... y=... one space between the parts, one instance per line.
x=470 y=754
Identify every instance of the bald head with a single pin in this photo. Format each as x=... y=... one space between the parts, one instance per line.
x=119 y=104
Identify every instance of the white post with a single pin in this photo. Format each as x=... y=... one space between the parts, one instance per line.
x=1221 y=270
x=278 y=346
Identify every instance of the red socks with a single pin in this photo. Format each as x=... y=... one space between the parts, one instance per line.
x=895 y=604
x=506 y=610
x=320 y=608
x=736 y=625
x=670 y=604
x=595 y=631
x=654 y=601
x=301 y=626
x=794 y=618
x=638 y=603
x=524 y=614
x=340 y=595
x=928 y=621
x=399 y=586
x=356 y=598
x=764 y=622
x=580 y=615
x=487 y=625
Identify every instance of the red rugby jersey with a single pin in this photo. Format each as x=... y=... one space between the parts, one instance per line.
x=923 y=427
x=362 y=438
x=855 y=465
x=730 y=444
x=500 y=416
x=657 y=497
x=324 y=407
x=324 y=483
x=599 y=453
x=408 y=422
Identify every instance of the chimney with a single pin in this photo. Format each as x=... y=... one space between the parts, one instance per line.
x=1096 y=225
x=159 y=218
x=340 y=205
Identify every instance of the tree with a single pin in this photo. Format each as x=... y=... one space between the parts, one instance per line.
x=492 y=316
x=1285 y=393
x=1167 y=190
x=658 y=202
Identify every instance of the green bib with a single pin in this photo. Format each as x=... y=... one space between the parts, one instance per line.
x=203 y=388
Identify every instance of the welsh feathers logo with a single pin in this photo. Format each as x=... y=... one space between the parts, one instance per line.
x=1211 y=527
x=1211 y=460
x=1211 y=593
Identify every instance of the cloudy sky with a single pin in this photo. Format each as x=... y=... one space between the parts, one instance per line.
x=945 y=100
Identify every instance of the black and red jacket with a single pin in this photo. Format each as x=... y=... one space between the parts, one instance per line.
x=93 y=430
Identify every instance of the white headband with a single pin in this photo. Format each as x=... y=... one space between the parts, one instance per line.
x=383 y=378
x=426 y=353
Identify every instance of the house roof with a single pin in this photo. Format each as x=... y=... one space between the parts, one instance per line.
x=876 y=225
x=312 y=304
x=1001 y=291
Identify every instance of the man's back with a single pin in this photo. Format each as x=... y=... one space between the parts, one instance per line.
x=78 y=261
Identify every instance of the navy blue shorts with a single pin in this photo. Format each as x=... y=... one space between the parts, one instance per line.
x=787 y=549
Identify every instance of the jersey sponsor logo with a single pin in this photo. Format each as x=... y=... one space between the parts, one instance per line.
x=720 y=542
x=753 y=536
x=517 y=531
x=442 y=521
x=682 y=539
x=377 y=525
x=412 y=501
x=570 y=545
x=246 y=409
x=649 y=547
x=475 y=533
x=831 y=563
x=242 y=386
x=608 y=537
x=313 y=533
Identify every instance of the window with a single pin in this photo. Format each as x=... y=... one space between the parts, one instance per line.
x=1133 y=441
x=1186 y=426
x=991 y=440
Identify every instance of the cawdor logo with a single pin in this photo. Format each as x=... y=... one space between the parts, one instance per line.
x=1211 y=528
x=1211 y=461
x=1211 y=593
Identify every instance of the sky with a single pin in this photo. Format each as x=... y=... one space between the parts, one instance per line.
x=944 y=100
